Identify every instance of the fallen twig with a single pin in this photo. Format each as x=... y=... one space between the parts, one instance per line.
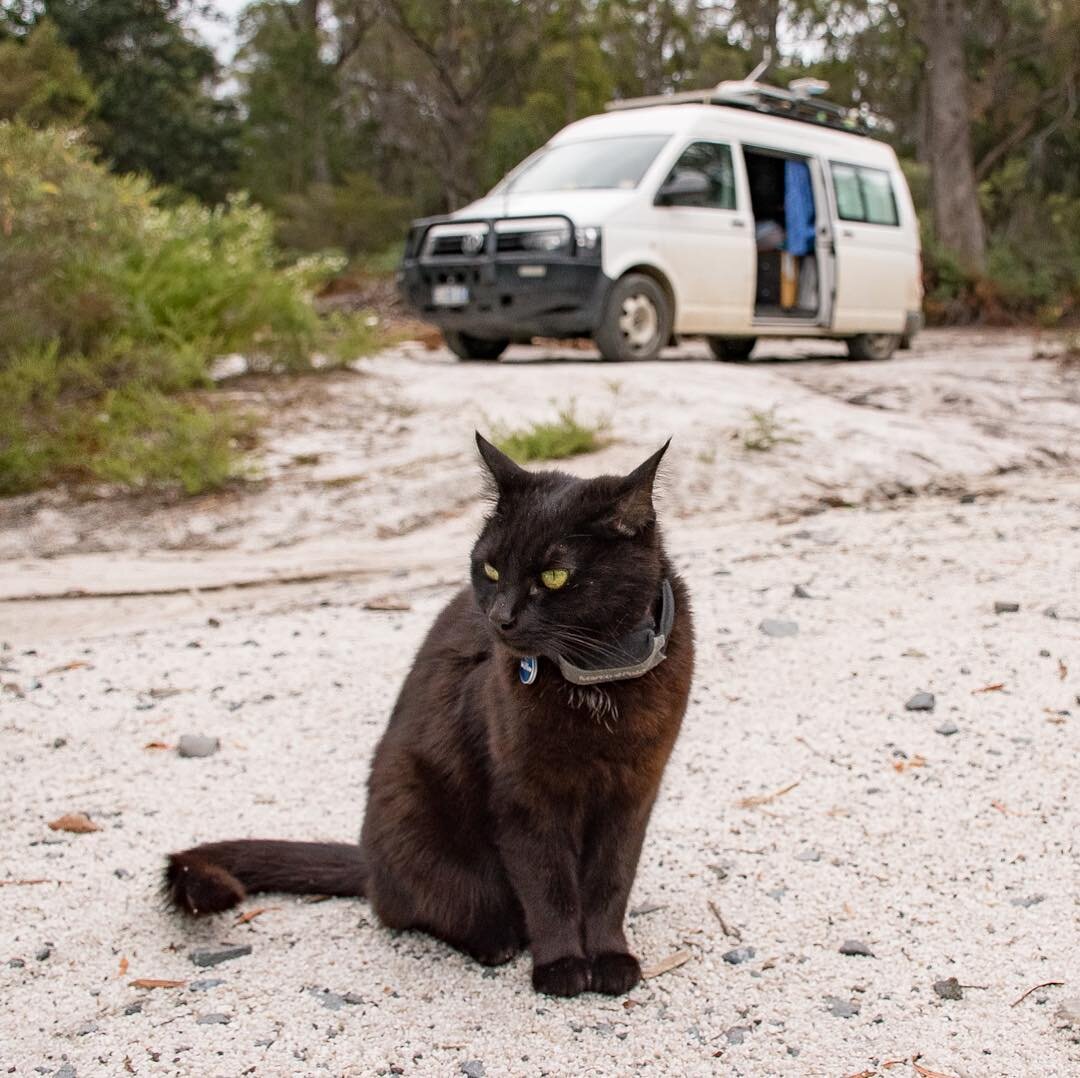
x=23 y=883
x=998 y=686
x=1045 y=984
x=731 y=933
x=244 y=918
x=764 y=799
x=926 y=1072
x=156 y=982
x=666 y=965
x=817 y=752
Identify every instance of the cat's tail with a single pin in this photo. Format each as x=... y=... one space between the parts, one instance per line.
x=218 y=875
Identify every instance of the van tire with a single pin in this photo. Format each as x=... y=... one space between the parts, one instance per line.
x=467 y=347
x=637 y=320
x=873 y=346
x=732 y=349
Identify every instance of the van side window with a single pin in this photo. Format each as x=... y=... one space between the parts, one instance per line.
x=864 y=194
x=713 y=160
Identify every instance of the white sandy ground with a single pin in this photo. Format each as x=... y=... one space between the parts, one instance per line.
x=948 y=855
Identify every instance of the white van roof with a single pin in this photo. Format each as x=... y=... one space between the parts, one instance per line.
x=725 y=121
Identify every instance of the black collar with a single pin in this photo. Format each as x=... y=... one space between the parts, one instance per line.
x=644 y=645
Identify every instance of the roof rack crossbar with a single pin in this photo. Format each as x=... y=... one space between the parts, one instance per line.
x=758 y=97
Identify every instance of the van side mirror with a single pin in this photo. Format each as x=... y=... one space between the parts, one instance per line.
x=683 y=183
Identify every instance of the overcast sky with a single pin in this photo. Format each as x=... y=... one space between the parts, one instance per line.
x=221 y=32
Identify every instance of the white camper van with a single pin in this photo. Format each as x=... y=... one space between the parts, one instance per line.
x=735 y=214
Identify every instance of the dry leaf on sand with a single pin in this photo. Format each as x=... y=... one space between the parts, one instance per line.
x=76 y=822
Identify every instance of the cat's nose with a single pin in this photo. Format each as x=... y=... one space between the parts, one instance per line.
x=501 y=613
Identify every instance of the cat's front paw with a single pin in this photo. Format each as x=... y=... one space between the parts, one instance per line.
x=496 y=948
x=564 y=977
x=614 y=973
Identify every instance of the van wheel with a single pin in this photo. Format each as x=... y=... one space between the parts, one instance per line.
x=636 y=322
x=465 y=346
x=873 y=346
x=732 y=349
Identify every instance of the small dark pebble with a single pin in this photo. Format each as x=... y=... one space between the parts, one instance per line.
x=809 y=854
x=121 y=874
x=86 y=1028
x=799 y=592
x=473 y=1068
x=921 y=701
x=841 y=1008
x=196 y=746
x=17 y=963
x=1030 y=900
x=1006 y=608
x=134 y=1008
x=213 y=1020
x=1044 y=654
x=737 y=955
x=42 y=953
x=949 y=988
x=214 y=623
x=202 y=986
x=66 y=1071
x=59 y=742
x=644 y=908
x=215 y=958
x=947 y=728
x=856 y=947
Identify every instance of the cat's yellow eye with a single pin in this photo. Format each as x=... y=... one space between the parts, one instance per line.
x=490 y=571
x=554 y=578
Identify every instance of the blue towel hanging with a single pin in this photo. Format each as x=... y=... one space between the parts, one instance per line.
x=798 y=208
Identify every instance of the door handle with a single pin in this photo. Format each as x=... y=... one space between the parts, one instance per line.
x=847 y=233
x=738 y=222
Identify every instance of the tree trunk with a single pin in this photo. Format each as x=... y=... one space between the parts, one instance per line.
x=957 y=218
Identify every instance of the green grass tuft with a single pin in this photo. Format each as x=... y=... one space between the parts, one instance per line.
x=567 y=436
x=765 y=430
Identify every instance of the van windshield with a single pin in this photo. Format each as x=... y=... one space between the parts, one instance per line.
x=595 y=165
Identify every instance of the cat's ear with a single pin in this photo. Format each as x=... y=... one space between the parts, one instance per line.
x=632 y=510
x=504 y=471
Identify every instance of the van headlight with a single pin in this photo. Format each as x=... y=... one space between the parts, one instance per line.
x=548 y=239
x=587 y=237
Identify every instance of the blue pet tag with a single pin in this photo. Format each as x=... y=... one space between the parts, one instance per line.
x=528 y=669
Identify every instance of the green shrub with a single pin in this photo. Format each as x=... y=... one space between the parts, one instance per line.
x=42 y=83
x=113 y=303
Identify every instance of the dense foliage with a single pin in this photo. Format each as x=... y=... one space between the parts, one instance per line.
x=113 y=308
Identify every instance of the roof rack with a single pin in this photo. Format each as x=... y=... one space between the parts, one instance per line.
x=800 y=101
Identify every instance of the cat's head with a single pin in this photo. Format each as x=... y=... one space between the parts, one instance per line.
x=564 y=565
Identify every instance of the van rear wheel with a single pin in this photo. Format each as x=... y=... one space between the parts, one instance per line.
x=873 y=346
x=637 y=319
x=465 y=346
x=732 y=349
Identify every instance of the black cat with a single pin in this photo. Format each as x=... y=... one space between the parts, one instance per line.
x=509 y=795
